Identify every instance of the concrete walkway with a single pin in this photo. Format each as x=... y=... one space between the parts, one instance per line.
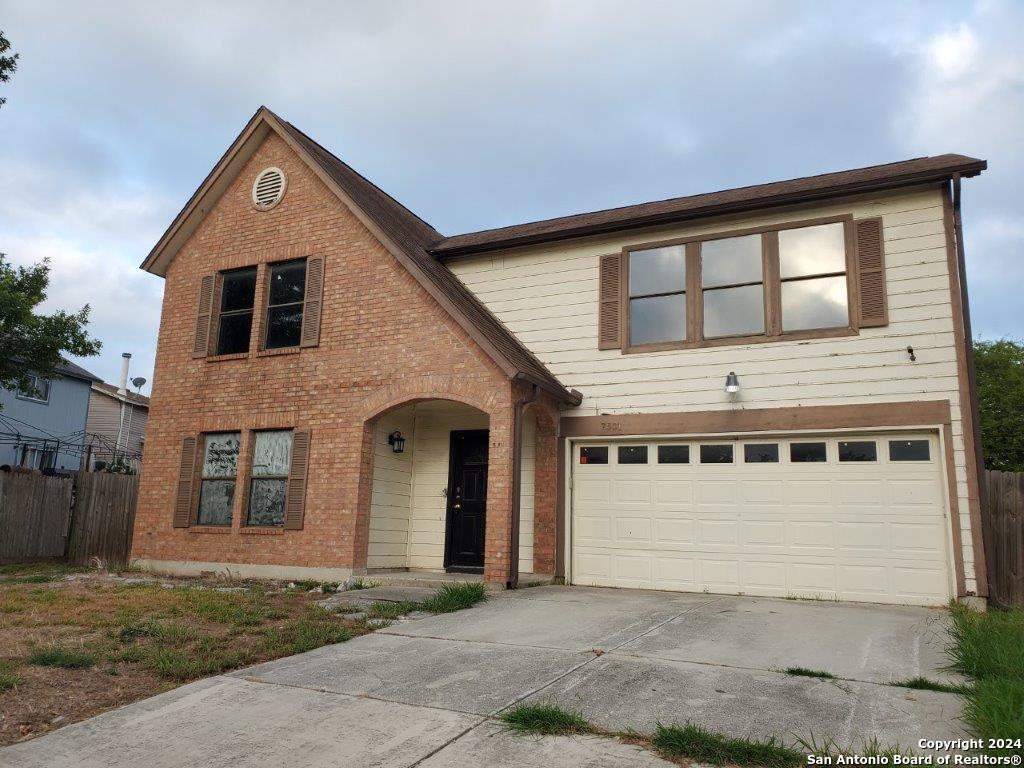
x=423 y=692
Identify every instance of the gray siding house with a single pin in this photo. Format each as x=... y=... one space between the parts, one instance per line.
x=45 y=429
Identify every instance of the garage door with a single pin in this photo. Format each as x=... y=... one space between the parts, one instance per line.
x=831 y=517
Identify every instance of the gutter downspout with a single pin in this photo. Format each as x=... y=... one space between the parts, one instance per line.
x=517 y=480
x=979 y=455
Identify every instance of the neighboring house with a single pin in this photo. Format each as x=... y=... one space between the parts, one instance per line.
x=761 y=391
x=44 y=428
x=116 y=427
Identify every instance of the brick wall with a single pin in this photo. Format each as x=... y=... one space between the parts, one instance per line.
x=383 y=341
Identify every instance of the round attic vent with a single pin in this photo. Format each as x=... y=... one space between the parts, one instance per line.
x=268 y=189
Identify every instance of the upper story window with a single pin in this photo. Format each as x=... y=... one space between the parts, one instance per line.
x=732 y=283
x=285 y=304
x=38 y=390
x=812 y=269
x=748 y=286
x=657 y=295
x=237 y=298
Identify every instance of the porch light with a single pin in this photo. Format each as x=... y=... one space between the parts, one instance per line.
x=396 y=441
x=732 y=383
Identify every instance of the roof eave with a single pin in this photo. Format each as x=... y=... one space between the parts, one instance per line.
x=742 y=206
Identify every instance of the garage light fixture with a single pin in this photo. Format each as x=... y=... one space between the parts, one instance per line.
x=732 y=383
x=396 y=441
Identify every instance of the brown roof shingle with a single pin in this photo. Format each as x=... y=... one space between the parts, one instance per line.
x=876 y=177
x=413 y=236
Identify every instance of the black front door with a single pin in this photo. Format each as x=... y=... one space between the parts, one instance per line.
x=467 y=501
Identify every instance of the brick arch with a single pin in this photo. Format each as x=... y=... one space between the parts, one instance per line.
x=488 y=396
x=413 y=389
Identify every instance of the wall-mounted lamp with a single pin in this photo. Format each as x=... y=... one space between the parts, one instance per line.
x=396 y=441
x=732 y=383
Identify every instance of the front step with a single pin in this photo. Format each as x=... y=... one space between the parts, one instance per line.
x=437 y=579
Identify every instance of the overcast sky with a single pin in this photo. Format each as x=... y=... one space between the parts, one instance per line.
x=479 y=114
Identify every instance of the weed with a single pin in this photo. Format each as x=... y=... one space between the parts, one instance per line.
x=924 y=684
x=696 y=743
x=544 y=720
x=804 y=672
x=317 y=627
x=56 y=656
x=8 y=678
x=455 y=597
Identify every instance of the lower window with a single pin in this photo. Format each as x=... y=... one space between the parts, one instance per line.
x=217 y=486
x=271 y=459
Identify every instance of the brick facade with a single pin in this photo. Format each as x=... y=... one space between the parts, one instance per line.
x=384 y=342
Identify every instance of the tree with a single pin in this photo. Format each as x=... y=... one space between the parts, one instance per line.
x=1000 y=379
x=8 y=63
x=31 y=342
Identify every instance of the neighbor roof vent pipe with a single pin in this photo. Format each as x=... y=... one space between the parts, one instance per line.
x=122 y=387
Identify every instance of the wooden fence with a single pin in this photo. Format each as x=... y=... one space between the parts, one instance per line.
x=1004 y=520
x=35 y=513
x=46 y=518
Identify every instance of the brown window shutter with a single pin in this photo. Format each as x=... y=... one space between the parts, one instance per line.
x=609 y=328
x=314 y=300
x=295 y=497
x=186 y=474
x=871 y=273
x=202 y=341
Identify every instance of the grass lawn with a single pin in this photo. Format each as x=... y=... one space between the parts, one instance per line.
x=71 y=648
x=989 y=647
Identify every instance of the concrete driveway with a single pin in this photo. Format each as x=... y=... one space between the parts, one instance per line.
x=423 y=692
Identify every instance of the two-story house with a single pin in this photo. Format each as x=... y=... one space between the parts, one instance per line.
x=43 y=426
x=761 y=391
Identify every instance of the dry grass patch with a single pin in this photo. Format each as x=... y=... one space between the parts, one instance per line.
x=72 y=648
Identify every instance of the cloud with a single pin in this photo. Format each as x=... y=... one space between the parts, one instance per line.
x=477 y=115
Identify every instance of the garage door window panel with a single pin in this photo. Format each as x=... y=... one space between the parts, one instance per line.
x=632 y=454
x=673 y=454
x=857 y=450
x=761 y=453
x=808 y=453
x=909 y=450
x=594 y=454
x=716 y=454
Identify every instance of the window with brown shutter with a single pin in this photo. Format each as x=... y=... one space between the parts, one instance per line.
x=186 y=473
x=871 y=268
x=310 y=336
x=295 y=498
x=609 y=292
x=787 y=281
x=201 y=344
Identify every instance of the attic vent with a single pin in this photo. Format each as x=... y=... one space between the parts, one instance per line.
x=268 y=189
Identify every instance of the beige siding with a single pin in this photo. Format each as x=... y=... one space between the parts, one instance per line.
x=105 y=420
x=547 y=295
x=392 y=494
x=408 y=503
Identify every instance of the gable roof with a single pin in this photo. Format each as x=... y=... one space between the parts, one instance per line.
x=67 y=368
x=111 y=390
x=403 y=233
x=920 y=170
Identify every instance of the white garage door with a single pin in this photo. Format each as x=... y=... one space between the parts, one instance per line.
x=832 y=517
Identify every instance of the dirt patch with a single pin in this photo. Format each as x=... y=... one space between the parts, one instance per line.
x=139 y=637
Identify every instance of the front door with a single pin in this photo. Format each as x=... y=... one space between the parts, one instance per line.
x=467 y=501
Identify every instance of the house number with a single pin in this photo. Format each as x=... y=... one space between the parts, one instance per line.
x=611 y=426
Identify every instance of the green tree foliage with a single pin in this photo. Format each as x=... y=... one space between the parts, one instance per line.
x=31 y=342
x=8 y=62
x=1000 y=373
